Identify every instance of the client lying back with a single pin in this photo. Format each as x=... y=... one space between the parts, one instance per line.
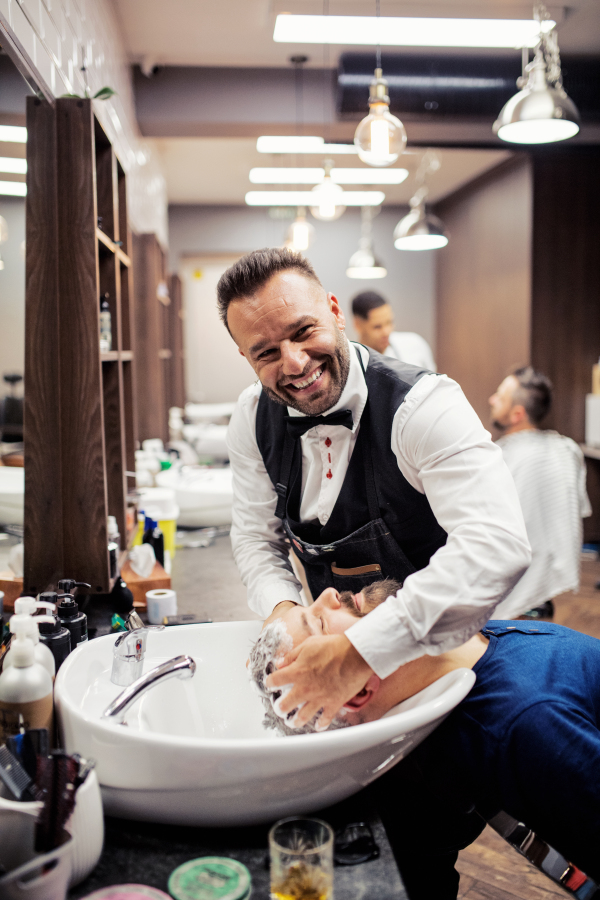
x=333 y=613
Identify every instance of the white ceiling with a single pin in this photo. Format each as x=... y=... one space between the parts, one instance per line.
x=215 y=170
x=240 y=32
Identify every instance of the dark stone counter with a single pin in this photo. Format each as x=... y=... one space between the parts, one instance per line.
x=147 y=853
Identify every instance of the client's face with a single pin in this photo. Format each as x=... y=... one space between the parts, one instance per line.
x=331 y=613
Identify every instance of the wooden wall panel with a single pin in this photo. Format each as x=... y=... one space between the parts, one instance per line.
x=484 y=281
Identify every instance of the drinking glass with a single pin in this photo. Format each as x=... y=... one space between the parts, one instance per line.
x=301 y=853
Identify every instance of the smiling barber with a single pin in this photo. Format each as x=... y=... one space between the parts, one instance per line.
x=370 y=468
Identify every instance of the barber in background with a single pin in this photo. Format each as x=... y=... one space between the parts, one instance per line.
x=374 y=323
x=549 y=472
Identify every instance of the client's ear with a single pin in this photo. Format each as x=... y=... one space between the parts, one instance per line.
x=363 y=697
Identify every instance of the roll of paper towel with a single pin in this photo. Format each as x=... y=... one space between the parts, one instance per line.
x=161 y=603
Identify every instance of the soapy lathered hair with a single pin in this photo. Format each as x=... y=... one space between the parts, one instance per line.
x=275 y=641
x=252 y=272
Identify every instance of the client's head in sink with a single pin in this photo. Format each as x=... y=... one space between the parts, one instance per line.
x=334 y=613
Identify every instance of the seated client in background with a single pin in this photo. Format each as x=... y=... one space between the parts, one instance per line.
x=526 y=739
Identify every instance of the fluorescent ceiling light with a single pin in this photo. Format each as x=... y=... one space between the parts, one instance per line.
x=13 y=164
x=307 y=198
x=13 y=188
x=289 y=143
x=16 y=134
x=315 y=176
x=399 y=31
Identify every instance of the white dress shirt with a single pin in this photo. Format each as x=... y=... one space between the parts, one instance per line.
x=549 y=473
x=410 y=347
x=444 y=452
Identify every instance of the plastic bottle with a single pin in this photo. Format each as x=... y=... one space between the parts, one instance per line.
x=53 y=634
x=105 y=324
x=25 y=692
x=28 y=626
x=71 y=619
x=154 y=536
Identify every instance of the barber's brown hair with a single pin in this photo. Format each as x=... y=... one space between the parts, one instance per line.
x=252 y=271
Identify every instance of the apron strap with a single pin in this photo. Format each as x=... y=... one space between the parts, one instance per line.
x=287 y=459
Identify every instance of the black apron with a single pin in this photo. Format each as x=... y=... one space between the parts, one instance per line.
x=336 y=555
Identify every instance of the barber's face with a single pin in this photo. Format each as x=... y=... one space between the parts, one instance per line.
x=327 y=615
x=290 y=331
x=502 y=403
x=375 y=330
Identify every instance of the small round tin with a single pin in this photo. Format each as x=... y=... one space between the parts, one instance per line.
x=211 y=878
x=128 y=892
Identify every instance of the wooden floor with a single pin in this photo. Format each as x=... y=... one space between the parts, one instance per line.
x=489 y=868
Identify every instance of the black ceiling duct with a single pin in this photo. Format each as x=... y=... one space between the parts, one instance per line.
x=457 y=86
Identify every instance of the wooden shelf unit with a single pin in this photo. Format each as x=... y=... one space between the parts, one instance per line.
x=80 y=423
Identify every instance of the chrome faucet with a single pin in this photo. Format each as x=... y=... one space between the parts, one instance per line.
x=181 y=666
x=128 y=654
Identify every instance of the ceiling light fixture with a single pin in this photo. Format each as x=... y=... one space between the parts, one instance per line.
x=404 y=31
x=288 y=143
x=13 y=188
x=380 y=138
x=13 y=164
x=364 y=264
x=285 y=175
x=419 y=230
x=541 y=113
x=13 y=134
x=300 y=233
x=328 y=197
x=307 y=198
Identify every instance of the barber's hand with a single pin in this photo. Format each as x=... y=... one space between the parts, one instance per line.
x=326 y=673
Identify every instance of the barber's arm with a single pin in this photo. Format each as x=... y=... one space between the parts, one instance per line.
x=444 y=451
x=257 y=538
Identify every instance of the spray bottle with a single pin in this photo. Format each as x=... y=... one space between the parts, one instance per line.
x=24 y=624
x=25 y=692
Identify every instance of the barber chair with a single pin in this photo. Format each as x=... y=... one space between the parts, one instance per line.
x=11 y=413
x=544 y=857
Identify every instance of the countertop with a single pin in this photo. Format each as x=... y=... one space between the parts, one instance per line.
x=147 y=853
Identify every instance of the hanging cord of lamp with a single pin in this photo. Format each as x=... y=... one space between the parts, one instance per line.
x=380 y=138
x=301 y=233
x=542 y=112
x=420 y=230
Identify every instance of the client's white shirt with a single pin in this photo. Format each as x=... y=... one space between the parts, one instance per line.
x=410 y=347
x=549 y=472
x=444 y=452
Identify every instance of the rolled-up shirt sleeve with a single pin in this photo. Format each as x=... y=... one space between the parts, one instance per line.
x=444 y=452
x=257 y=537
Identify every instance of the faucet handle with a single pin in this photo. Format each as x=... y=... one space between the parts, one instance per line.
x=128 y=654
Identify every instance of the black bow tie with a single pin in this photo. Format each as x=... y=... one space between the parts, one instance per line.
x=298 y=425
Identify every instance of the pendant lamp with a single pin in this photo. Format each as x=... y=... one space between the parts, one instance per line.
x=328 y=196
x=364 y=263
x=380 y=138
x=420 y=230
x=541 y=113
x=301 y=233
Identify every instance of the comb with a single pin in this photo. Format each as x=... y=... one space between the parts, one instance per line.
x=14 y=776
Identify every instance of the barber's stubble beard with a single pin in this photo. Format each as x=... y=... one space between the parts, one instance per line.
x=338 y=366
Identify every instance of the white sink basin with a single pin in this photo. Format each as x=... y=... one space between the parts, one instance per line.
x=194 y=752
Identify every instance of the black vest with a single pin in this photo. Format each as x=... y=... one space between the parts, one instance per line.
x=405 y=511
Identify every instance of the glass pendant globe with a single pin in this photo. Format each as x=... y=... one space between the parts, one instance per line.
x=380 y=138
x=300 y=234
x=328 y=201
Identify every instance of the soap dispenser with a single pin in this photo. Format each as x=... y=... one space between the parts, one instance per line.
x=28 y=626
x=70 y=618
x=53 y=634
x=25 y=692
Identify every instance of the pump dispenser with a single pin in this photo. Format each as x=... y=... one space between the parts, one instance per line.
x=71 y=619
x=52 y=633
x=25 y=691
x=23 y=623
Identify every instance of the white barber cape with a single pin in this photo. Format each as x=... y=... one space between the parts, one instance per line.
x=444 y=452
x=549 y=472
x=410 y=347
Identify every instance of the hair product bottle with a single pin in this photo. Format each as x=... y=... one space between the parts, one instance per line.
x=25 y=692
x=23 y=623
